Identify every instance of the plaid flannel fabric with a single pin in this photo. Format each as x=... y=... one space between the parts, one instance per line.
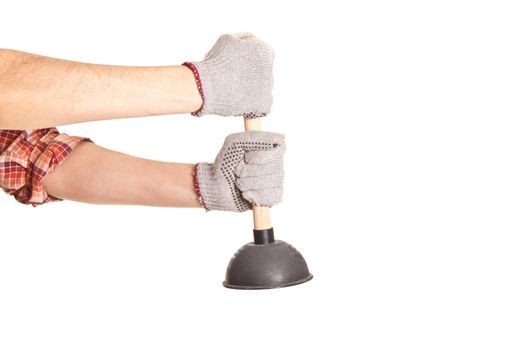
x=27 y=156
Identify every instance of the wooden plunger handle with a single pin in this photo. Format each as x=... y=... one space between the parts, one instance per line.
x=261 y=215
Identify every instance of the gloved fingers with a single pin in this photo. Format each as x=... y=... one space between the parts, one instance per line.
x=261 y=46
x=243 y=35
x=244 y=42
x=225 y=39
x=259 y=183
x=220 y=44
x=236 y=36
x=254 y=140
x=263 y=157
x=266 y=197
x=243 y=170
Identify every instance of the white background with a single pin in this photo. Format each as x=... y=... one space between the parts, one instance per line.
x=404 y=187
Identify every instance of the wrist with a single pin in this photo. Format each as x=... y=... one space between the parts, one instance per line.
x=197 y=186
x=198 y=93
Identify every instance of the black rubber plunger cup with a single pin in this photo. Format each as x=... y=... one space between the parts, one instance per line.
x=265 y=263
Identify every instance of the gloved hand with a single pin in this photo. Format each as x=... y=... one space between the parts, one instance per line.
x=236 y=77
x=248 y=169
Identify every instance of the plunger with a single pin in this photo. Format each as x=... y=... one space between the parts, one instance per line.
x=265 y=263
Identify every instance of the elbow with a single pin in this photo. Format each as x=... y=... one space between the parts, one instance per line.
x=3 y=121
x=6 y=60
x=10 y=102
x=7 y=120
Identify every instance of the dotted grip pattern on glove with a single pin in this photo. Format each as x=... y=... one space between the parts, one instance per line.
x=248 y=170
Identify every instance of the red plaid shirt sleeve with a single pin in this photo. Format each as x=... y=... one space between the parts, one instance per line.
x=27 y=156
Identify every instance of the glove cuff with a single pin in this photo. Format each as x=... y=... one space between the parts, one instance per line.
x=216 y=192
x=198 y=81
x=197 y=186
x=208 y=189
x=206 y=186
x=218 y=95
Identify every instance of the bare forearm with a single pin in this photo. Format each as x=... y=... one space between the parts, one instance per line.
x=93 y=174
x=38 y=91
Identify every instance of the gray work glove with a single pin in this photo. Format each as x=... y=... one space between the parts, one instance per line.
x=236 y=77
x=248 y=169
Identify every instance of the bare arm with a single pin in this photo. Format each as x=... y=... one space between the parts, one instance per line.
x=93 y=174
x=38 y=92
